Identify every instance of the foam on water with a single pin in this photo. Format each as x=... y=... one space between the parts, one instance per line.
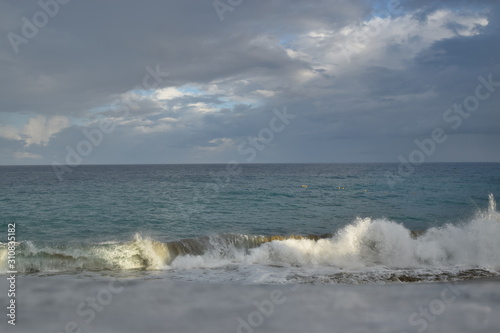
x=365 y=250
x=368 y=242
x=141 y=253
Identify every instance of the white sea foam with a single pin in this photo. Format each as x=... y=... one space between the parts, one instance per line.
x=141 y=253
x=376 y=246
x=367 y=249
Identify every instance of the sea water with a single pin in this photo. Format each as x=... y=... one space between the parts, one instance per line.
x=250 y=226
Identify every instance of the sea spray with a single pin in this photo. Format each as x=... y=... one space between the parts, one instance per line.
x=365 y=250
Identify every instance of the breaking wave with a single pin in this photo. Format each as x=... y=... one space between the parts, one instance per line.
x=363 y=251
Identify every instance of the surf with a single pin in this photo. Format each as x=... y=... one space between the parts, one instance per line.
x=366 y=247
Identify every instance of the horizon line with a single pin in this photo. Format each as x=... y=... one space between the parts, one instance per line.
x=258 y=163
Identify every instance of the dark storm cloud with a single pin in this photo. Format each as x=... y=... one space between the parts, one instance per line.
x=394 y=86
x=91 y=50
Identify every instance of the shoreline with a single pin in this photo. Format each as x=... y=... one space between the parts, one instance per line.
x=160 y=305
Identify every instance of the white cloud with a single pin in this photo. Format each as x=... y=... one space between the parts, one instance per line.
x=39 y=129
x=169 y=93
x=265 y=93
x=371 y=42
x=10 y=133
x=168 y=119
x=202 y=107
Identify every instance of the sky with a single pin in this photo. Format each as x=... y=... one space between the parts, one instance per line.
x=261 y=81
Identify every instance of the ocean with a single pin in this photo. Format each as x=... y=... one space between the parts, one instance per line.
x=215 y=248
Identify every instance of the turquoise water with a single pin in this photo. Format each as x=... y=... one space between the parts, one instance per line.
x=109 y=203
x=182 y=219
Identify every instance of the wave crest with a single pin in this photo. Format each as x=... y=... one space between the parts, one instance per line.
x=361 y=246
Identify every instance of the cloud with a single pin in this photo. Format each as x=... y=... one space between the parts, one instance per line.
x=169 y=93
x=372 y=81
x=388 y=42
x=39 y=129
x=10 y=133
